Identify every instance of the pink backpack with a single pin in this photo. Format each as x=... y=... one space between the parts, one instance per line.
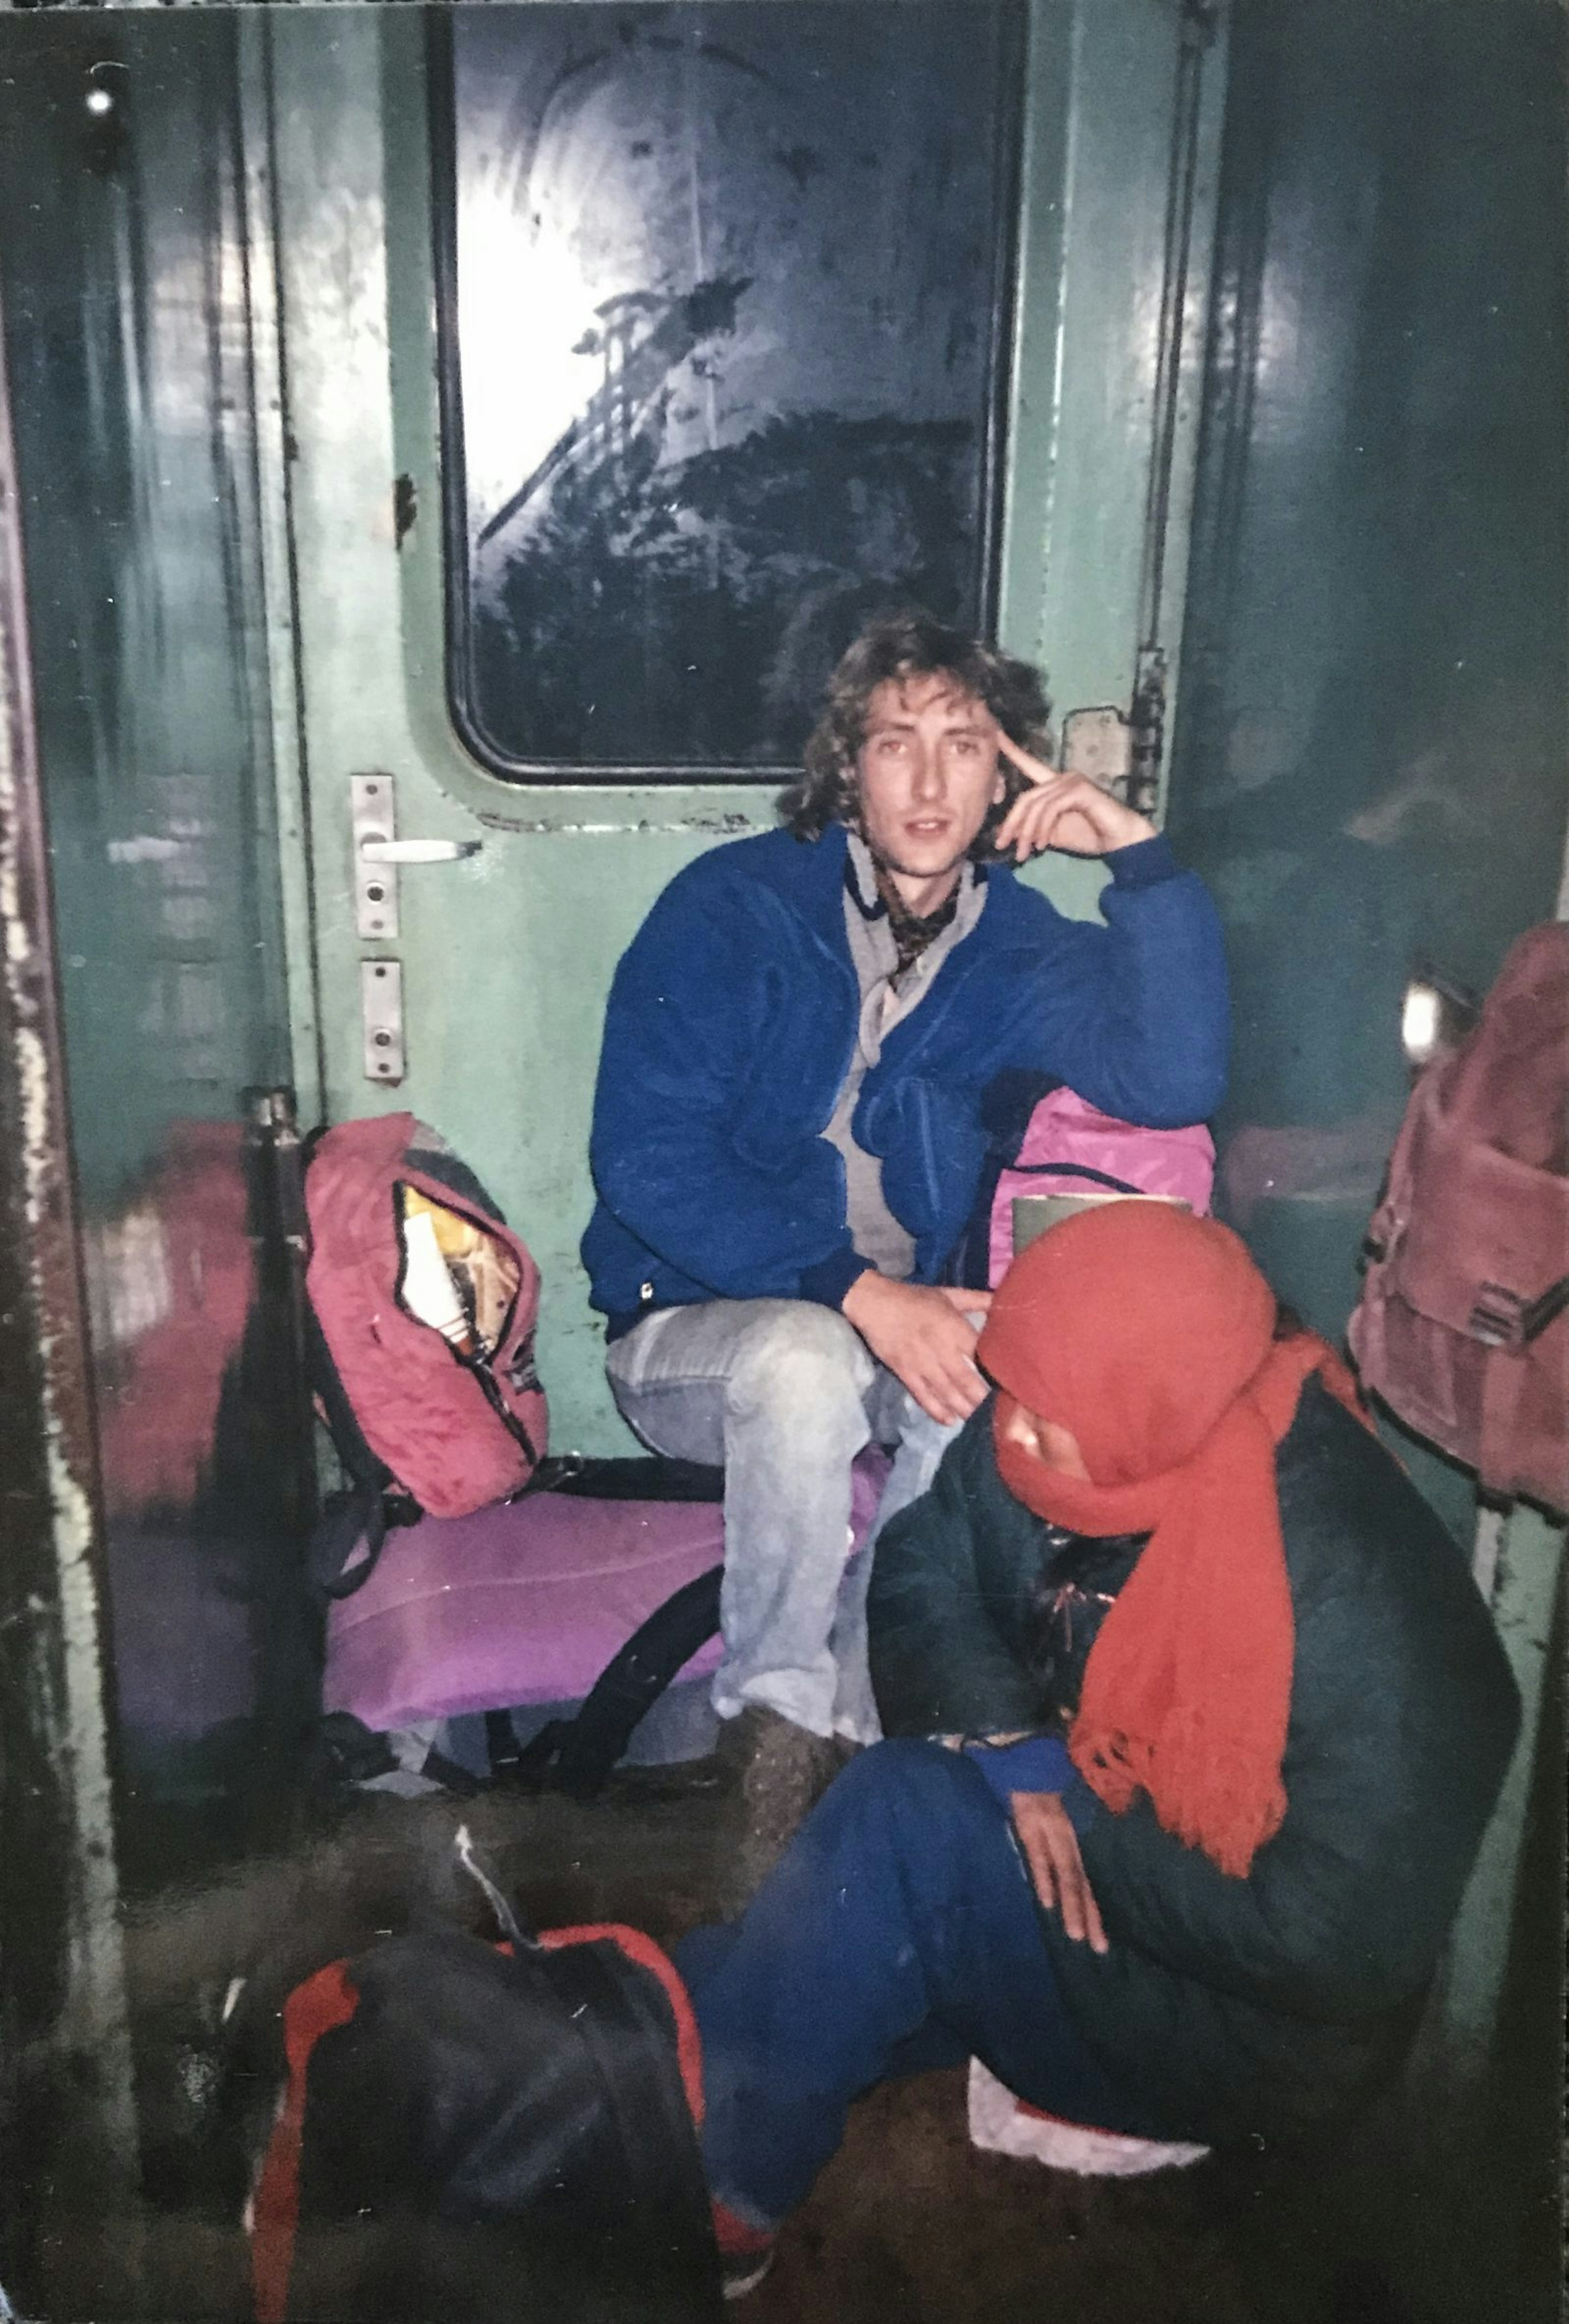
x=451 y=1408
x=1069 y=1147
x=1463 y=1327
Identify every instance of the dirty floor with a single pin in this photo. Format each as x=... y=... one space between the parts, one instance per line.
x=909 y=2225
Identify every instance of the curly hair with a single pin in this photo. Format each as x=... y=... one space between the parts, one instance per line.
x=911 y=644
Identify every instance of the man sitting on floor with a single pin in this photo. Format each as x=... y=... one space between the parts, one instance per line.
x=1265 y=1718
x=787 y=1134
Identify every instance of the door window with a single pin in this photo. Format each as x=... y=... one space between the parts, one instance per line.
x=723 y=296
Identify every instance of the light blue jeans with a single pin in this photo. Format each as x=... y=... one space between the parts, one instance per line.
x=783 y=1394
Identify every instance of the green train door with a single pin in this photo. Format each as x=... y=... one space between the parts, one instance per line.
x=466 y=982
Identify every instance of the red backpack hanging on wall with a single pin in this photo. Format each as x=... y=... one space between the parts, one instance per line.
x=428 y=1303
x=1463 y=1327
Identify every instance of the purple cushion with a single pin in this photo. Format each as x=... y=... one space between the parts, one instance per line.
x=523 y=1602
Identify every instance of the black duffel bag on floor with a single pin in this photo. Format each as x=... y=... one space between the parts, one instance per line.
x=487 y=2134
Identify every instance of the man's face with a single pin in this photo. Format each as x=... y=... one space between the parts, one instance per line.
x=927 y=772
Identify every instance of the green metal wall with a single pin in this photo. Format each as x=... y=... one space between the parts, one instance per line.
x=124 y=270
x=1372 y=763
x=123 y=260
x=1372 y=769
x=507 y=958
x=219 y=333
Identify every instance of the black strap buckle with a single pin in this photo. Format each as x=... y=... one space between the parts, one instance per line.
x=1501 y=1318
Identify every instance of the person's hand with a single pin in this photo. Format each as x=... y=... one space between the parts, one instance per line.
x=921 y=1332
x=1051 y=1846
x=1065 y=811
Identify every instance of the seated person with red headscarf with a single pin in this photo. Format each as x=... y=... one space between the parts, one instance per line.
x=1230 y=1718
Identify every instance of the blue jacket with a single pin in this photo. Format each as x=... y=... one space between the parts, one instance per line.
x=730 y=1027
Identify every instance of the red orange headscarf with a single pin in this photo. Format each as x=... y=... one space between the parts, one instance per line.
x=1150 y=1334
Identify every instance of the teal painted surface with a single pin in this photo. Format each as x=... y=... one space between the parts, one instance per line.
x=123 y=257
x=1104 y=80
x=1372 y=764
x=123 y=245
x=508 y=958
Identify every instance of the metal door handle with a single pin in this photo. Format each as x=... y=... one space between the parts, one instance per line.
x=418 y=851
x=379 y=854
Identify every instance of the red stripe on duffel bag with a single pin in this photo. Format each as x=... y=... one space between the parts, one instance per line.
x=314 y=2008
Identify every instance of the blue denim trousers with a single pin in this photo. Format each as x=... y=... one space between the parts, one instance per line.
x=783 y=1395
x=898 y=1933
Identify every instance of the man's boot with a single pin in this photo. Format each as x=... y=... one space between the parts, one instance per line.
x=780 y=1772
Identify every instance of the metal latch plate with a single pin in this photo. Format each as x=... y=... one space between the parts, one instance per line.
x=373 y=807
x=381 y=1014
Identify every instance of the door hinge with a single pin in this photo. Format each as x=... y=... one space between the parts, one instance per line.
x=1147 y=731
x=1123 y=752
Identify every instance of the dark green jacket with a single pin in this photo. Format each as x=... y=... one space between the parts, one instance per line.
x=1227 y=2005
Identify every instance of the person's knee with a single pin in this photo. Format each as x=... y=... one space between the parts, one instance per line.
x=802 y=1363
x=921 y=1817
x=909 y=1784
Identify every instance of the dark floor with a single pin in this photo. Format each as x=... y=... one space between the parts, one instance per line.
x=910 y=2223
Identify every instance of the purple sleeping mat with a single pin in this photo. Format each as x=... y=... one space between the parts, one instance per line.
x=524 y=1602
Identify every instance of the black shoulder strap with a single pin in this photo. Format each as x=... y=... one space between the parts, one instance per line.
x=348 y=1437
x=351 y=1521
x=575 y=1755
x=1072 y=1170
x=637 y=1476
x=358 y=1518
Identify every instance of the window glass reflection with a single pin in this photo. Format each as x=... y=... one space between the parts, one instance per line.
x=723 y=301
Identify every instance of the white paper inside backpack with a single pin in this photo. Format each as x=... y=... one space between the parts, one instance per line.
x=456 y=1277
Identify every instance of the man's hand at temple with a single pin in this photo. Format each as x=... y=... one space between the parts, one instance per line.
x=1064 y=811
x=923 y=1334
